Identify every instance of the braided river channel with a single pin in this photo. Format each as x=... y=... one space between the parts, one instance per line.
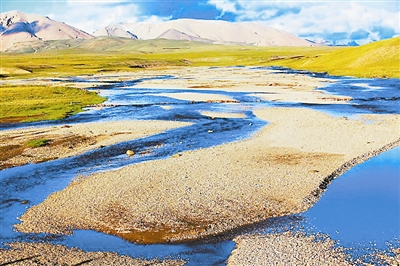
x=360 y=210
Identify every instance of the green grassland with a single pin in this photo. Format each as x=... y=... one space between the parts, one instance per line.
x=111 y=54
x=378 y=59
x=105 y=54
x=33 y=103
x=71 y=58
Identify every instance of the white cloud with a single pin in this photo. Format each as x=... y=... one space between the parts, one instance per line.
x=330 y=18
x=154 y=19
x=322 y=18
x=92 y=15
x=224 y=5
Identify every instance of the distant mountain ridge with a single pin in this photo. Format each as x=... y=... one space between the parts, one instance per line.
x=209 y=31
x=17 y=27
x=334 y=43
x=19 y=30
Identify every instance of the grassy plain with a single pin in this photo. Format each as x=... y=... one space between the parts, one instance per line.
x=33 y=103
x=106 y=54
x=378 y=59
x=110 y=54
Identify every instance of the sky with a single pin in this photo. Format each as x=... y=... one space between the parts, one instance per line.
x=337 y=21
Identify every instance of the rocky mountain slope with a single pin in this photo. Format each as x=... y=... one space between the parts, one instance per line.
x=17 y=27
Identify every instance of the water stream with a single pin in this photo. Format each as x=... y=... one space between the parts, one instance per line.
x=359 y=208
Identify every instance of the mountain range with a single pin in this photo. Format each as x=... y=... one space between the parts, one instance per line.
x=208 y=31
x=18 y=28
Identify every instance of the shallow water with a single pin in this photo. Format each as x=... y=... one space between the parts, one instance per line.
x=362 y=207
x=344 y=211
x=368 y=95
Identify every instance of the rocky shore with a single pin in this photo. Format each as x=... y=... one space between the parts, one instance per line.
x=282 y=169
x=286 y=249
x=210 y=191
x=296 y=248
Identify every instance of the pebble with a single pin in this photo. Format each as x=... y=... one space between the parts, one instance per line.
x=130 y=152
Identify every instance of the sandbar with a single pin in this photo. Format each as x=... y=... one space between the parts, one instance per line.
x=281 y=170
x=73 y=139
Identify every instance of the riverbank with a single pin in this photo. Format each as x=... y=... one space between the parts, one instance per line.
x=202 y=81
x=279 y=171
x=39 y=144
x=25 y=101
x=264 y=84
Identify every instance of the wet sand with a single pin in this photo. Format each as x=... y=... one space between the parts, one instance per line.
x=283 y=169
x=47 y=254
x=70 y=140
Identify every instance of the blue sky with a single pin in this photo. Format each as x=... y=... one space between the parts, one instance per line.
x=332 y=20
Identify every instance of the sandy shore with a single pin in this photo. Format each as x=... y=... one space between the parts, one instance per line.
x=47 y=254
x=283 y=169
x=286 y=249
x=70 y=140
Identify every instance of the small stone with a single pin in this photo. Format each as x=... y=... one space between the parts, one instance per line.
x=130 y=152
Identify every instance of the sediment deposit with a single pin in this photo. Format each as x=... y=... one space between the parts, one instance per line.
x=279 y=171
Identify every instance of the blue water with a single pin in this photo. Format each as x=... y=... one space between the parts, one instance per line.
x=360 y=207
x=363 y=204
x=369 y=95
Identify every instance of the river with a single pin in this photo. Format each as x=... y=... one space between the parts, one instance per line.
x=360 y=209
